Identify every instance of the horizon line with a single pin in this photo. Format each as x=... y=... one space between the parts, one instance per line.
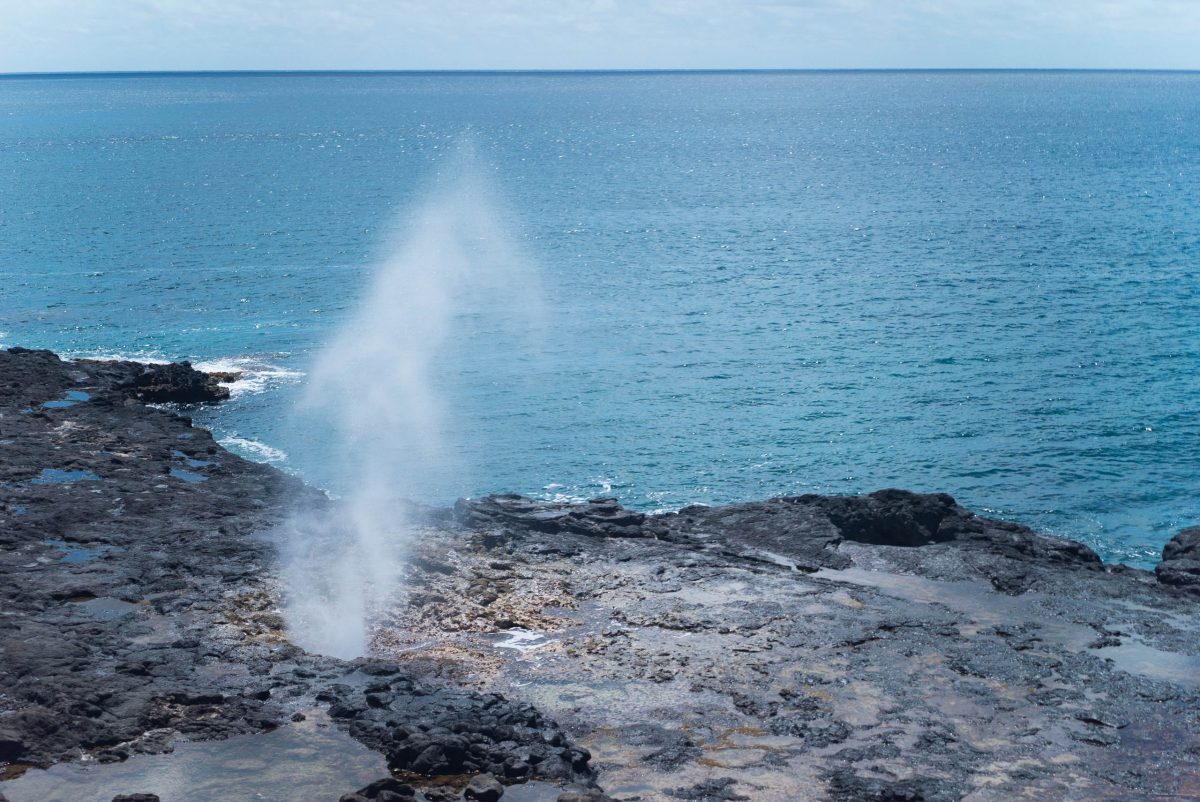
x=570 y=71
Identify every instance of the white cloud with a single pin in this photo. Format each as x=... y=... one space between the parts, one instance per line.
x=439 y=34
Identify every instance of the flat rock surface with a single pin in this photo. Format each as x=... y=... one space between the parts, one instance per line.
x=884 y=647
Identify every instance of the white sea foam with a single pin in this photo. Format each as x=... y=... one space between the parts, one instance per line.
x=148 y=357
x=253 y=449
x=257 y=375
x=523 y=640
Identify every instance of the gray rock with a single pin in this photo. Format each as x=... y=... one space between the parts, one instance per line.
x=1180 y=566
x=484 y=788
x=151 y=553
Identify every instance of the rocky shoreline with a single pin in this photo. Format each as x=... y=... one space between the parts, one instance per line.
x=885 y=647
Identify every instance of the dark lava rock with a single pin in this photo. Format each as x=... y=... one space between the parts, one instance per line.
x=803 y=530
x=178 y=383
x=808 y=530
x=718 y=790
x=846 y=786
x=1180 y=566
x=136 y=798
x=445 y=731
x=894 y=517
x=139 y=607
x=600 y=517
x=164 y=621
x=388 y=789
x=484 y=787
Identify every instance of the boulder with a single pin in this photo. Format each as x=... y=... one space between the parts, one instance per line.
x=387 y=789
x=1180 y=566
x=484 y=788
x=178 y=383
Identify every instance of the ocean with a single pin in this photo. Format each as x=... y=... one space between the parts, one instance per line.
x=745 y=284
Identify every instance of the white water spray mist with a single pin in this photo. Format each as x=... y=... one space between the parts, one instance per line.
x=454 y=268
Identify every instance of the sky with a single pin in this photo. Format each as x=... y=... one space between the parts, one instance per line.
x=101 y=35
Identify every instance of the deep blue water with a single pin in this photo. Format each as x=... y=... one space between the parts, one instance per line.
x=754 y=284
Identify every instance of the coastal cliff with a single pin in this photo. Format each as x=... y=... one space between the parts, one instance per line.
x=893 y=646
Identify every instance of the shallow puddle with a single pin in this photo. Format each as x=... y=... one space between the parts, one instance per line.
x=311 y=760
x=75 y=553
x=984 y=606
x=191 y=463
x=523 y=640
x=69 y=399
x=107 y=608
x=1135 y=657
x=55 y=476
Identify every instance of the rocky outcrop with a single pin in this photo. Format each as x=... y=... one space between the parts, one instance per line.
x=118 y=524
x=879 y=647
x=892 y=646
x=446 y=732
x=153 y=383
x=178 y=383
x=139 y=605
x=600 y=517
x=805 y=532
x=1180 y=566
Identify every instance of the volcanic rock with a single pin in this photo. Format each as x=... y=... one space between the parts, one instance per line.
x=388 y=789
x=484 y=788
x=1180 y=566
x=891 y=646
x=139 y=604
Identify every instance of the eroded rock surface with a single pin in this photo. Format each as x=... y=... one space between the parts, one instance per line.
x=885 y=647
x=138 y=604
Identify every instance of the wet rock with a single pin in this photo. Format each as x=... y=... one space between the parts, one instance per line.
x=591 y=795
x=484 y=787
x=894 y=517
x=171 y=619
x=387 y=789
x=937 y=610
x=1180 y=566
x=807 y=531
x=718 y=790
x=178 y=383
x=846 y=786
x=600 y=517
x=13 y=744
x=443 y=731
x=136 y=798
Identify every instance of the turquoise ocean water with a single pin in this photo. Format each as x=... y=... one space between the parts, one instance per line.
x=985 y=283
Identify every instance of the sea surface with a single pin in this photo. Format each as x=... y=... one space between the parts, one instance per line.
x=748 y=284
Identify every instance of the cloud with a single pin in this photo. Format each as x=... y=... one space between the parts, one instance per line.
x=440 y=34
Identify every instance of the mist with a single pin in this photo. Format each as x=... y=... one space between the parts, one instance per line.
x=453 y=271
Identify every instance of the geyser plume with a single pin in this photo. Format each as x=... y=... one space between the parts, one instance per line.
x=374 y=391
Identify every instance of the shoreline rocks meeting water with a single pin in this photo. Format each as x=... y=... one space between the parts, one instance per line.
x=893 y=646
